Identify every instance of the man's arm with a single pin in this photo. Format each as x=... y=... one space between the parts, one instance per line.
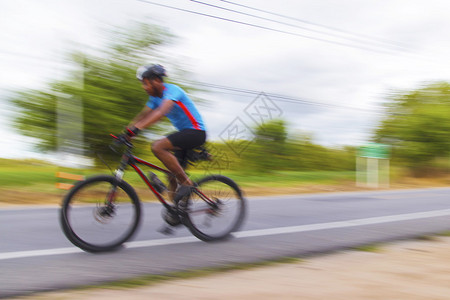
x=155 y=115
x=141 y=115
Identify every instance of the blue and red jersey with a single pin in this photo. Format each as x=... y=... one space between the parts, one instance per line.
x=184 y=114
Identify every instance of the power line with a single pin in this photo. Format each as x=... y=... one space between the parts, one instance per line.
x=315 y=24
x=282 y=98
x=269 y=28
x=358 y=39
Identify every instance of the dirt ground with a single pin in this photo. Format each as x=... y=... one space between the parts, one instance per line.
x=404 y=270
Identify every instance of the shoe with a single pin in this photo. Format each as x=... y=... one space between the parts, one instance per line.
x=182 y=196
x=171 y=217
x=157 y=183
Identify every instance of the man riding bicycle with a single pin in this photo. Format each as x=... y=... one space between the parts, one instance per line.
x=169 y=100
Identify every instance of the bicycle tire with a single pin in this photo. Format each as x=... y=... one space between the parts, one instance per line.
x=77 y=207
x=221 y=189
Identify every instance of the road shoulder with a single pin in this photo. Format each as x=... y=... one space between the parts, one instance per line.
x=402 y=270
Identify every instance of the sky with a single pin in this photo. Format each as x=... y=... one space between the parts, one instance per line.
x=325 y=67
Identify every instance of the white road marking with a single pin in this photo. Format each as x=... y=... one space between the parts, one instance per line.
x=34 y=253
x=243 y=234
x=343 y=224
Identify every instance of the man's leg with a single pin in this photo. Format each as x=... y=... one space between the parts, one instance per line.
x=172 y=188
x=184 y=139
x=162 y=150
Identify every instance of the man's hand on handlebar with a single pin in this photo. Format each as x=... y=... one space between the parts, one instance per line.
x=126 y=136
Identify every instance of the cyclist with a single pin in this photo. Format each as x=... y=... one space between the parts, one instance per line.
x=171 y=101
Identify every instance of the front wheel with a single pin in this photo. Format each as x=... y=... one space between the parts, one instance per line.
x=100 y=213
x=215 y=209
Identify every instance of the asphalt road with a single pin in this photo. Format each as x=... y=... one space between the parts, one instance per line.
x=35 y=256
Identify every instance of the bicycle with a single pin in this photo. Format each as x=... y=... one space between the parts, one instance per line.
x=101 y=213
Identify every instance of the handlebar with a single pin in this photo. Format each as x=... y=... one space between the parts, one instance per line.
x=120 y=140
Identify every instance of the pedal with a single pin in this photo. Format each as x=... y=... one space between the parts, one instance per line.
x=171 y=217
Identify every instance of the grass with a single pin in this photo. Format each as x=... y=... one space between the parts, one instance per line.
x=33 y=181
x=427 y=238
x=444 y=233
x=377 y=247
x=26 y=173
x=151 y=279
x=287 y=178
x=368 y=248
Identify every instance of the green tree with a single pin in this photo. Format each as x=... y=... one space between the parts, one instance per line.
x=105 y=87
x=274 y=150
x=302 y=154
x=417 y=125
x=267 y=150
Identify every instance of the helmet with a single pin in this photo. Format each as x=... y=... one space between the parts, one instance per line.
x=150 y=71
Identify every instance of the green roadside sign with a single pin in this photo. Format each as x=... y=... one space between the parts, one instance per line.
x=374 y=150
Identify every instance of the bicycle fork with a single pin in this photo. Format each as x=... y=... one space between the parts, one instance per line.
x=108 y=210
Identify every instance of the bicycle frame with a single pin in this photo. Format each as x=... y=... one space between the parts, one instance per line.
x=131 y=160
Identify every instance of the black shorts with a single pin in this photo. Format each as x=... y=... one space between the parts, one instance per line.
x=187 y=138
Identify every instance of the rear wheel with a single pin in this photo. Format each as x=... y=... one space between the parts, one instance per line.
x=215 y=209
x=100 y=213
